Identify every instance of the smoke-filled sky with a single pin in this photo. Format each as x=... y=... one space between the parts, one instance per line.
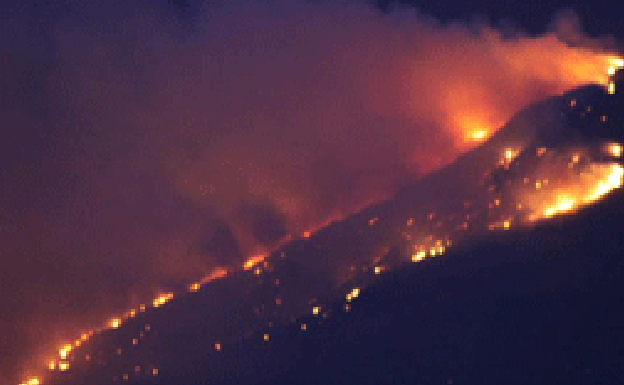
x=141 y=147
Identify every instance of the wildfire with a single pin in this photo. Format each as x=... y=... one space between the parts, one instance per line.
x=253 y=261
x=614 y=149
x=596 y=182
x=593 y=183
x=477 y=135
x=114 y=323
x=162 y=299
x=215 y=274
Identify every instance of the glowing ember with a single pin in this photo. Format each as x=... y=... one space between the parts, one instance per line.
x=419 y=256
x=253 y=261
x=614 y=149
x=477 y=136
x=114 y=323
x=563 y=204
x=162 y=299
x=64 y=351
x=595 y=182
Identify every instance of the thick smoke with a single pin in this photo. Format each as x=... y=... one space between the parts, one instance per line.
x=141 y=149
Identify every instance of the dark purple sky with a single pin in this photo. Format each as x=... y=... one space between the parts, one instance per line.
x=142 y=145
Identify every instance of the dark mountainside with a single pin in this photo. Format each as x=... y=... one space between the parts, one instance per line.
x=532 y=305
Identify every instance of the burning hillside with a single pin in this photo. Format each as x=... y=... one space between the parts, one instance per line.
x=517 y=178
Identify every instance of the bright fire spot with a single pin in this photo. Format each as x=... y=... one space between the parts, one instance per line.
x=599 y=180
x=114 y=323
x=265 y=337
x=217 y=346
x=614 y=149
x=63 y=366
x=477 y=135
x=154 y=372
x=353 y=294
x=509 y=155
x=378 y=269
x=33 y=381
x=218 y=273
x=253 y=261
x=563 y=204
x=306 y=234
x=611 y=88
x=52 y=365
x=316 y=310
x=65 y=350
x=162 y=299
x=419 y=256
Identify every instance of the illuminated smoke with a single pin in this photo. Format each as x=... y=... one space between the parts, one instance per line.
x=163 y=151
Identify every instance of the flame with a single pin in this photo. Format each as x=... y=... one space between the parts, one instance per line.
x=253 y=261
x=614 y=149
x=476 y=126
x=162 y=299
x=114 y=323
x=218 y=273
x=596 y=182
x=478 y=135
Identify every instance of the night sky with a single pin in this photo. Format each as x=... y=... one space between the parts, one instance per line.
x=146 y=143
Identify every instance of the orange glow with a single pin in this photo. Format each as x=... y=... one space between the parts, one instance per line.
x=563 y=204
x=265 y=337
x=509 y=155
x=52 y=365
x=33 y=381
x=162 y=299
x=64 y=351
x=114 y=323
x=306 y=234
x=419 y=256
x=154 y=372
x=614 y=149
x=478 y=135
x=253 y=261
x=593 y=184
x=63 y=366
x=217 y=273
x=611 y=88
x=217 y=346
